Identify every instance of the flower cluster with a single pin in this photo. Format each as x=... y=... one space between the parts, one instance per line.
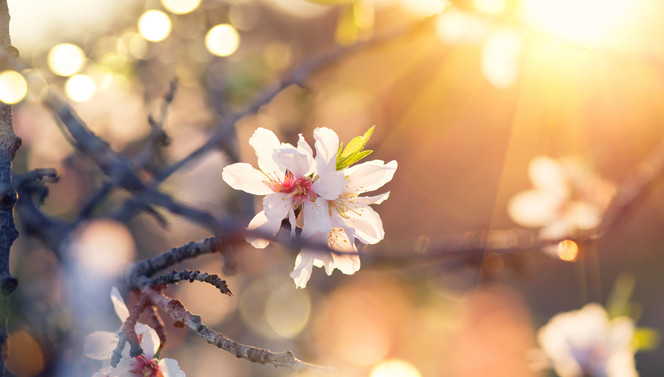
x=321 y=195
x=566 y=198
x=100 y=346
x=586 y=343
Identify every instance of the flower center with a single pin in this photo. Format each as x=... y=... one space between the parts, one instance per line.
x=297 y=188
x=146 y=368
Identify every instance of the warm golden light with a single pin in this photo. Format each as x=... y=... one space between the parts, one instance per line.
x=489 y=6
x=26 y=358
x=500 y=57
x=395 y=368
x=66 y=59
x=180 y=6
x=80 y=88
x=222 y=40
x=154 y=25
x=424 y=7
x=568 y=250
x=579 y=20
x=13 y=87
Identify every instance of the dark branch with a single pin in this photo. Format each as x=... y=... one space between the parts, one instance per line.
x=177 y=276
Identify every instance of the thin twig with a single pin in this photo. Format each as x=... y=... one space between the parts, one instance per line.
x=183 y=317
x=177 y=276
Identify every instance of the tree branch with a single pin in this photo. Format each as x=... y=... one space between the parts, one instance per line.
x=183 y=317
x=9 y=144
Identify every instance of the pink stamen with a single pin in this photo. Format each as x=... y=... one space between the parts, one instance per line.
x=297 y=188
x=146 y=368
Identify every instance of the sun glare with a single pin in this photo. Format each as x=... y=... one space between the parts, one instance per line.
x=578 y=20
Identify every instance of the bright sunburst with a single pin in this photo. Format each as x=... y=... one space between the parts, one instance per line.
x=577 y=20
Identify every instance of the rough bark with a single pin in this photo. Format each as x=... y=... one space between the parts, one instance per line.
x=9 y=144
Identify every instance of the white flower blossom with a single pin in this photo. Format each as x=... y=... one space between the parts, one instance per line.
x=327 y=199
x=351 y=219
x=566 y=198
x=100 y=346
x=290 y=178
x=585 y=343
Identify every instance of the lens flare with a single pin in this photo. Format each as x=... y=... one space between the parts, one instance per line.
x=222 y=40
x=180 y=6
x=154 y=25
x=579 y=20
x=66 y=59
x=13 y=87
x=567 y=250
x=489 y=6
x=395 y=368
x=80 y=88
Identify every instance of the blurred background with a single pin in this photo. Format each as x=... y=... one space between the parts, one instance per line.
x=463 y=94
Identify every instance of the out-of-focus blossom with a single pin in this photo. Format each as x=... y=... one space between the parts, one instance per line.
x=100 y=346
x=351 y=219
x=566 y=198
x=291 y=180
x=585 y=343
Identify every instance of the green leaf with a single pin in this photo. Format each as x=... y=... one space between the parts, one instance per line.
x=354 y=150
x=645 y=339
x=618 y=303
x=357 y=144
x=358 y=156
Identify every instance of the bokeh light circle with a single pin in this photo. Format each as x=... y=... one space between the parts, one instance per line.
x=80 y=88
x=13 y=87
x=222 y=40
x=66 y=59
x=180 y=6
x=287 y=310
x=395 y=368
x=103 y=247
x=154 y=25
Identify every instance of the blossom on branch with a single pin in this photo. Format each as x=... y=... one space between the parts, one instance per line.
x=566 y=198
x=351 y=218
x=290 y=178
x=585 y=343
x=321 y=195
x=100 y=345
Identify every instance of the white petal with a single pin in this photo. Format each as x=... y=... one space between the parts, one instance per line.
x=366 y=223
x=327 y=146
x=376 y=199
x=369 y=176
x=533 y=208
x=330 y=184
x=100 y=345
x=583 y=215
x=149 y=339
x=304 y=148
x=316 y=218
x=170 y=368
x=276 y=206
x=119 y=305
x=242 y=176
x=265 y=143
x=261 y=223
x=547 y=174
x=302 y=271
x=347 y=264
x=298 y=163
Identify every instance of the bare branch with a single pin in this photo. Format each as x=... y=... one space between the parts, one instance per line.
x=183 y=317
x=177 y=276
